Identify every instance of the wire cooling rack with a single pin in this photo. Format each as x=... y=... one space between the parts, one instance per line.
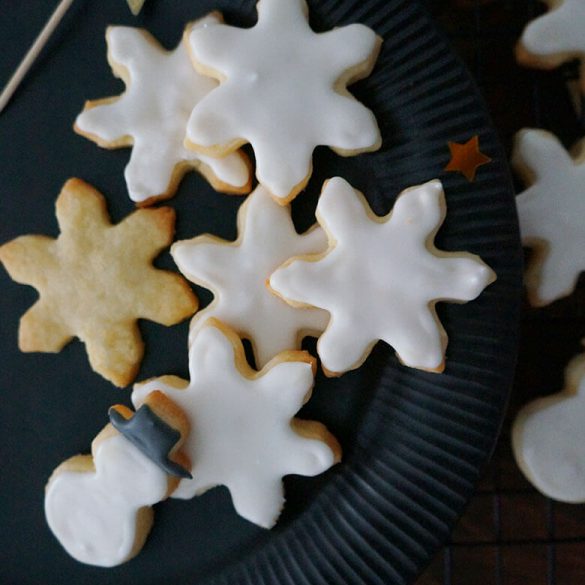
x=510 y=534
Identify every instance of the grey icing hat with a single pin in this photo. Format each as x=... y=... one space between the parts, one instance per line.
x=152 y=436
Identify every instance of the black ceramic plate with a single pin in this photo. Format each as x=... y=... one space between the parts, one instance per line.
x=414 y=442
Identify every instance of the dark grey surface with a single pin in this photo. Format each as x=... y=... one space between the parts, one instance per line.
x=414 y=442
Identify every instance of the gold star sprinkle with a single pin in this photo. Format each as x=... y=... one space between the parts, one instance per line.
x=466 y=158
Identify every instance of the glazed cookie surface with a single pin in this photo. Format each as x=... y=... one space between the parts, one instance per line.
x=243 y=431
x=283 y=90
x=551 y=213
x=99 y=506
x=236 y=272
x=555 y=37
x=548 y=439
x=96 y=280
x=151 y=116
x=381 y=277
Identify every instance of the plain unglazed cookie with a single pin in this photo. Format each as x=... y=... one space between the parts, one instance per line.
x=556 y=37
x=236 y=272
x=551 y=213
x=283 y=89
x=99 y=506
x=136 y=6
x=381 y=277
x=548 y=439
x=243 y=431
x=96 y=280
x=151 y=116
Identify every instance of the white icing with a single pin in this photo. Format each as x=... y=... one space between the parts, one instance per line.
x=241 y=434
x=237 y=274
x=277 y=92
x=548 y=438
x=161 y=91
x=558 y=33
x=381 y=277
x=552 y=210
x=94 y=514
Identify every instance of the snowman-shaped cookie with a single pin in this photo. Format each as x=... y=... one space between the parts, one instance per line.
x=548 y=439
x=99 y=505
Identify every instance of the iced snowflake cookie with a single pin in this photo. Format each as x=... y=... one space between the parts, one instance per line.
x=243 y=434
x=551 y=213
x=556 y=37
x=381 y=278
x=151 y=116
x=96 y=280
x=284 y=90
x=548 y=439
x=237 y=271
x=99 y=506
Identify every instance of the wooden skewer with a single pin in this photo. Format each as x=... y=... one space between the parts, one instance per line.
x=33 y=52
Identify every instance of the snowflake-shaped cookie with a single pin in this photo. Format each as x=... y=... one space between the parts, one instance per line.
x=551 y=213
x=283 y=89
x=556 y=37
x=151 y=116
x=243 y=434
x=381 y=278
x=237 y=272
x=96 y=280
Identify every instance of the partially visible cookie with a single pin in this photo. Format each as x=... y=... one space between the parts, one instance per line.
x=236 y=272
x=135 y=6
x=551 y=213
x=283 y=89
x=381 y=278
x=151 y=116
x=554 y=38
x=96 y=280
x=243 y=431
x=548 y=439
x=99 y=506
